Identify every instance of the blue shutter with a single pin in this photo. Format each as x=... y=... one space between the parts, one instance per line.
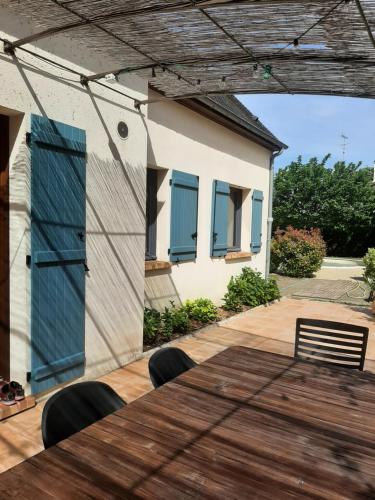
x=184 y=212
x=58 y=252
x=219 y=219
x=256 y=222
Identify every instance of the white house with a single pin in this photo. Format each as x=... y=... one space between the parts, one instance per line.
x=74 y=164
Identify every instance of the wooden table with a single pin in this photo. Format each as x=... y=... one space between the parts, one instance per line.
x=244 y=424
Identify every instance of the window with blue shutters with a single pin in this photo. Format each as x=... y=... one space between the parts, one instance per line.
x=184 y=214
x=219 y=223
x=256 y=221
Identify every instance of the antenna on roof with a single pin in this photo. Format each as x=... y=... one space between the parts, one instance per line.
x=344 y=145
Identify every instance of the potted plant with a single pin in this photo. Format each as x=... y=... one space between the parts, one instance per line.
x=369 y=274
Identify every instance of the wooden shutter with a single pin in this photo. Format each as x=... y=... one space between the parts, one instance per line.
x=184 y=212
x=219 y=216
x=256 y=221
x=58 y=252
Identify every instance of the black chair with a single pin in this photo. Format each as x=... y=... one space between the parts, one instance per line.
x=341 y=344
x=166 y=364
x=76 y=407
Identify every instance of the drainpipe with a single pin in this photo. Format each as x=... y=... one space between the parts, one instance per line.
x=270 y=203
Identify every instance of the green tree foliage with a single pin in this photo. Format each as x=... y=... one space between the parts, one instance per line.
x=340 y=201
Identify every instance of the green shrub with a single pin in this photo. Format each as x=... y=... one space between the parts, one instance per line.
x=297 y=252
x=203 y=310
x=369 y=273
x=151 y=324
x=174 y=319
x=250 y=289
x=232 y=301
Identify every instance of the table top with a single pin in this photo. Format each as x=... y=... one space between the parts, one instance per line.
x=244 y=424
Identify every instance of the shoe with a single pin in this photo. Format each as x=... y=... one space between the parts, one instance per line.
x=6 y=395
x=17 y=390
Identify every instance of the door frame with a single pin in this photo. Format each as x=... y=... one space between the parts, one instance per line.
x=4 y=249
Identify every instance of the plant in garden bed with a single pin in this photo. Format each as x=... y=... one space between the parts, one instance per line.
x=174 y=319
x=250 y=289
x=151 y=325
x=369 y=273
x=297 y=252
x=202 y=310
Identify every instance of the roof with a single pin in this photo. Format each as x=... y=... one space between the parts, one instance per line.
x=188 y=48
x=234 y=113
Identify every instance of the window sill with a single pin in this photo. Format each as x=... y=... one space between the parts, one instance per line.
x=238 y=255
x=154 y=265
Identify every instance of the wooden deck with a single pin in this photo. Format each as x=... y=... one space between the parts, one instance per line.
x=243 y=424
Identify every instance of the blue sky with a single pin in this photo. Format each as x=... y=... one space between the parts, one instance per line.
x=312 y=125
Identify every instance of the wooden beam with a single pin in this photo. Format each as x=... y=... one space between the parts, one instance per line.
x=4 y=248
x=9 y=46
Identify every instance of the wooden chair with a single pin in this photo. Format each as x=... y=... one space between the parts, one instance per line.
x=341 y=344
x=166 y=364
x=76 y=407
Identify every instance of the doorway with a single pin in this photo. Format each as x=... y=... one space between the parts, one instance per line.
x=4 y=248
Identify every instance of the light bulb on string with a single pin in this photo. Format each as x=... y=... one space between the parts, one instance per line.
x=267 y=72
x=223 y=82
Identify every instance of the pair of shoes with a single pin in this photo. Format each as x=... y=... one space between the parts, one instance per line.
x=10 y=392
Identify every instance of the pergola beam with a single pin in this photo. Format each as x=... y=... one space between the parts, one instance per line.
x=183 y=6
x=365 y=22
x=240 y=45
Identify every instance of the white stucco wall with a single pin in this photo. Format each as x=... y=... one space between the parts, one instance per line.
x=116 y=173
x=184 y=140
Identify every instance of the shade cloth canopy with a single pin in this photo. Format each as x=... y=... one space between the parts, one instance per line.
x=190 y=48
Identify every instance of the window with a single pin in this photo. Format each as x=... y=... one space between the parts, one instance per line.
x=151 y=213
x=234 y=220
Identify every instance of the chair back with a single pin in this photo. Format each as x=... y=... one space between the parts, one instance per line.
x=166 y=364
x=341 y=344
x=76 y=407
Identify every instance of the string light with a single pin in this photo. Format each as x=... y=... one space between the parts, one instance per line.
x=267 y=72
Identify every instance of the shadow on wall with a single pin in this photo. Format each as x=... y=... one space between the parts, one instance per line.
x=94 y=57
x=115 y=201
x=160 y=290
x=181 y=120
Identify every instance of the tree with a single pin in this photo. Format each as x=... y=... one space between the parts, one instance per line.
x=340 y=201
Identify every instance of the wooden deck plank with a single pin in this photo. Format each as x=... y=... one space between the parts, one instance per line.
x=243 y=424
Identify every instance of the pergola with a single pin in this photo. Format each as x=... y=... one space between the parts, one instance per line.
x=192 y=48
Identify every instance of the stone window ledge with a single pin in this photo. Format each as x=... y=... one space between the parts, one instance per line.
x=154 y=265
x=238 y=255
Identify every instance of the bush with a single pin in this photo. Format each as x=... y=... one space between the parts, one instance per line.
x=250 y=289
x=297 y=252
x=151 y=324
x=369 y=273
x=174 y=319
x=203 y=310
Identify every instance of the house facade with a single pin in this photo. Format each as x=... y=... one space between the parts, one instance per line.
x=209 y=176
x=88 y=181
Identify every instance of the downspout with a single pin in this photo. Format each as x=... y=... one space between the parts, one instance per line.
x=270 y=204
